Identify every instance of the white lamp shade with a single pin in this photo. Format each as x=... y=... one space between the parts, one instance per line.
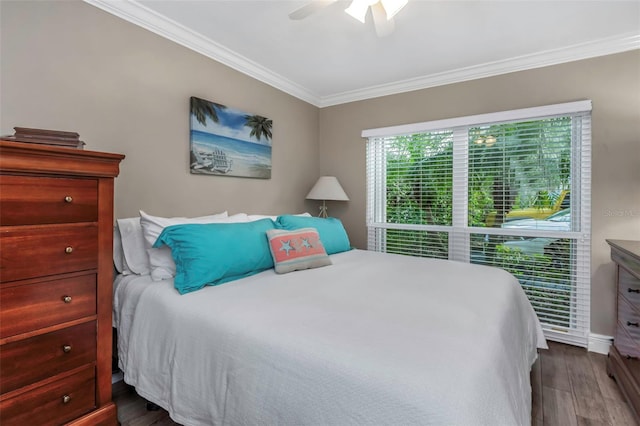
x=327 y=188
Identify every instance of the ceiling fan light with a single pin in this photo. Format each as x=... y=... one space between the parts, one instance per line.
x=391 y=7
x=358 y=9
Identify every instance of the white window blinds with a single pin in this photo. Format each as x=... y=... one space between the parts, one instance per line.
x=508 y=189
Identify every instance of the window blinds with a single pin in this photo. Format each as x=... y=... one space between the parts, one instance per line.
x=508 y=189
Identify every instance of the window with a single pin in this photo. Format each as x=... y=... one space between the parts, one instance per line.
x=509 y=189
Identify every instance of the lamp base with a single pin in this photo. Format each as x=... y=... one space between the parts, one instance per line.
x=323 y=210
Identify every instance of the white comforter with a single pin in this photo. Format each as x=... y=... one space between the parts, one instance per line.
x=373 y=339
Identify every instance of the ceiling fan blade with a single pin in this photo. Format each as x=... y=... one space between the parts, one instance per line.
x=383 y=26
x=309 y=8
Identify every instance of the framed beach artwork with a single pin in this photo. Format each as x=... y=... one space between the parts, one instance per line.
x=229 y=142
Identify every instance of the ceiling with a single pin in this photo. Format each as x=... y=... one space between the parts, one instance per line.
x=330 y=58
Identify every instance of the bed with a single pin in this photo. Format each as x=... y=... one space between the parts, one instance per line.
x=372 y=339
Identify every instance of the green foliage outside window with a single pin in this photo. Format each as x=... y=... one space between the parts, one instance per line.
x=419 y=179
x=545 y=279
x=510 y=166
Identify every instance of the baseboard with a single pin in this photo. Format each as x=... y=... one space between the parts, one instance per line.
x=599 y=343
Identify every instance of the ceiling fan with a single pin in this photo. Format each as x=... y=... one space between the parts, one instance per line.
x=382 y=11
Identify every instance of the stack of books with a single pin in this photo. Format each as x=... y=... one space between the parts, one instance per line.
x=46 y=137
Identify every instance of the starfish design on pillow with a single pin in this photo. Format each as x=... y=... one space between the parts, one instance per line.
x=305 y=243
x=286 y=246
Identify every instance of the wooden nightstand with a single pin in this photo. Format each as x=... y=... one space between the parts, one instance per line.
x=623 y=363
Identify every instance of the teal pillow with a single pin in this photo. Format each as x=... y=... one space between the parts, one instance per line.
x=216 y=253
x=332 y=234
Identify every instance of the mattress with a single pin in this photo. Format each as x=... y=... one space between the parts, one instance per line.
x=373 y=339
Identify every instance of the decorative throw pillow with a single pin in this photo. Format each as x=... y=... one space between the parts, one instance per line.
x=332 y=233
x=216 y=253
x=296 y=250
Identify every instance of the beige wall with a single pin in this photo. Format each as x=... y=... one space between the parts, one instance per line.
x=611 y=82
x=70 y=66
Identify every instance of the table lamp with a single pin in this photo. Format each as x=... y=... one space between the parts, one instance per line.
x=327 y=188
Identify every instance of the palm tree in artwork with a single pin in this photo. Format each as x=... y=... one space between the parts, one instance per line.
x=260 y=126
x=202 y=109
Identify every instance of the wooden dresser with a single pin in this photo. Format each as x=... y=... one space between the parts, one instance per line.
x=56 y=269
x=623 y=363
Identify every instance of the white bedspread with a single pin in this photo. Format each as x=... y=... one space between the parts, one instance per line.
x=373 y=339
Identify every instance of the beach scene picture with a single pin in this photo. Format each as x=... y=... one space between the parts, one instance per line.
x=229 y=142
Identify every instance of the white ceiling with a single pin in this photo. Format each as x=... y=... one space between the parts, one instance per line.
x=330 y=58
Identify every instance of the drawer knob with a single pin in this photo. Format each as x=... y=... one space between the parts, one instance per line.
x=66 y=299
x=633 y=324
x=68 y=250
x=68 y=199
x=66 y=399
x=66 y=349
x=633 y=290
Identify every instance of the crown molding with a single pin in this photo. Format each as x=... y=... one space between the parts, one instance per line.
x=142 y=16
x=576 y=52
x=137 y=14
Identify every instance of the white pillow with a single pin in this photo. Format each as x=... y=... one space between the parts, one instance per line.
x=162 y=265
x=119 y=259
x=253 y=217
x=134 y=252
x=118 y=255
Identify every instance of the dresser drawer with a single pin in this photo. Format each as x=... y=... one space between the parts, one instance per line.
x=629 y=286
x=33 y=306
x=29 y=200
x=629 y=313
x=52 y=404
x=628 y=329
x=33 y=251
x=27 y=361
x=624 y=257
x=626 y=344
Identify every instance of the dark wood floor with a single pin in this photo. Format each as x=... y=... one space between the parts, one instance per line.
x=570 y=387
